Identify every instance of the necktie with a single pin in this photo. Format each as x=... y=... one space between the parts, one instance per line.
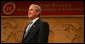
x=27 y=29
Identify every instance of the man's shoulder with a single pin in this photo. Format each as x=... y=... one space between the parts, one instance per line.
x=43 y=22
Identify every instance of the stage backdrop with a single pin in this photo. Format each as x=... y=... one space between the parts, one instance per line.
x=49 y=8
x=65 y=19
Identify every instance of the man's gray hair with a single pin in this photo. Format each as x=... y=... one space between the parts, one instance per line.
x=38 y=8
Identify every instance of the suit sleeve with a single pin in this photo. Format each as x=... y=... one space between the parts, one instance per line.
x=43 y=33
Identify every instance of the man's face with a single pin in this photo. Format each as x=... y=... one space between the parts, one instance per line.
x=32 y=13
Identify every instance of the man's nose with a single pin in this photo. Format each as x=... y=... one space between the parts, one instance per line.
x=28 y=11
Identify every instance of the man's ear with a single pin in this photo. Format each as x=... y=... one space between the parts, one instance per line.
x=38 y=13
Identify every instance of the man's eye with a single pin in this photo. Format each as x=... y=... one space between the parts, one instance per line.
x=31 y=9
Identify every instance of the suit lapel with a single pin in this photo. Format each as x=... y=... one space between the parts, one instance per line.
x=25 y=31
x=32 y=28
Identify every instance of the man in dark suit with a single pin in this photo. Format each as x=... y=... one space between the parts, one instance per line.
x=37 y=31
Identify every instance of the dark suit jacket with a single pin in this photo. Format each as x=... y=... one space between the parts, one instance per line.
x=38 y=33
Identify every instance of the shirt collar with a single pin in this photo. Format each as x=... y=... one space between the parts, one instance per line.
x=35 y=19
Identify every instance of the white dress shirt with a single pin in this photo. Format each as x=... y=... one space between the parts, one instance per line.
x=30 y=25
x=34 y=20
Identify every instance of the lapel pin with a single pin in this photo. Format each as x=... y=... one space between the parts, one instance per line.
x=34 y=26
